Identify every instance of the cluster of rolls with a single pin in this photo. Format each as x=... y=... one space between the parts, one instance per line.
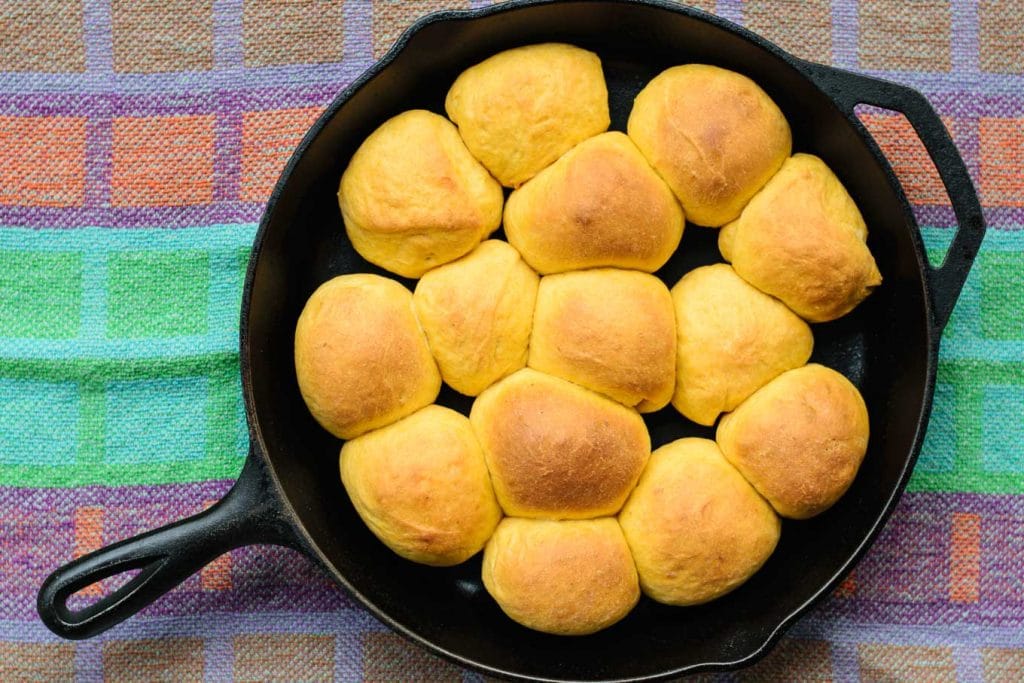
x=565 y=337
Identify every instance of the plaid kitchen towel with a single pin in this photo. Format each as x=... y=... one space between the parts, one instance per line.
x=139 y=141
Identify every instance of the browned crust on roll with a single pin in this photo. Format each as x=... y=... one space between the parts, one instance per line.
x=696 y=528
x=556 y=450
x=802 y=240
x=799 y=440
x=361 y=359
x=421 y=486
x=609 y=330
x=714 y=136
x=733 y=339
x=413 y=197
x=566 y=578
x=477 y=313
x=600 y=204
x=521 y=109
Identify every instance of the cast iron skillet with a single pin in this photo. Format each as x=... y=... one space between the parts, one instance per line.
x=289 y=491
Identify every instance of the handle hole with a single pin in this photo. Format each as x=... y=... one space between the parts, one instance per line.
x=917 y=174
x=89 y=595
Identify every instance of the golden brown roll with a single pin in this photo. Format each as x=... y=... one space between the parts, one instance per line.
x=799 y=440
x=802 y=240
x=478 y=313
x=732 y=339
x=361 y=359
x=600 y=204
x=568 y=578
x=713 y=135
x=696 y=528
x=421 y=486
x=523 y=108
x=612 y=331
x=556 y=450
x=413 y=197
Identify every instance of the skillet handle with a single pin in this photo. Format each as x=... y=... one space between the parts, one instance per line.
x=849 y=89
x=249 y=513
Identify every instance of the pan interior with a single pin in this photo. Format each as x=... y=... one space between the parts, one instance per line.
x=883 y=347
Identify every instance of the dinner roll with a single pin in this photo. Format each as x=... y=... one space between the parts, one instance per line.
x=413 y=197
x=612 y=331
x=361 y=359
x=477 y=313
x=568 y=578
x=421 y=486
x=799 y=439
x=523 y=108
x=802 y=240
x=713 y=135
x=556 y=450
x=601 y=204
x=696 y=528
x=732 y=339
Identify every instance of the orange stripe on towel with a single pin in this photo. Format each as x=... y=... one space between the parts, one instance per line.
x=848 y=587
x=88 y=523
x=964 y=557
x=216 y=576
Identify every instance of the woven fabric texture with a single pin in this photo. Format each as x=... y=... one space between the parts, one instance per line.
x=139 y=141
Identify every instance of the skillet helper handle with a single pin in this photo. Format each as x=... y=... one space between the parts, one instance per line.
x=248 y=514
x=849 y=89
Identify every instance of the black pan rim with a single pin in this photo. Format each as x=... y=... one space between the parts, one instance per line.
x=259 y=449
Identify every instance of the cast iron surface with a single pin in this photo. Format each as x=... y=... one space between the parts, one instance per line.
x=289 y=491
